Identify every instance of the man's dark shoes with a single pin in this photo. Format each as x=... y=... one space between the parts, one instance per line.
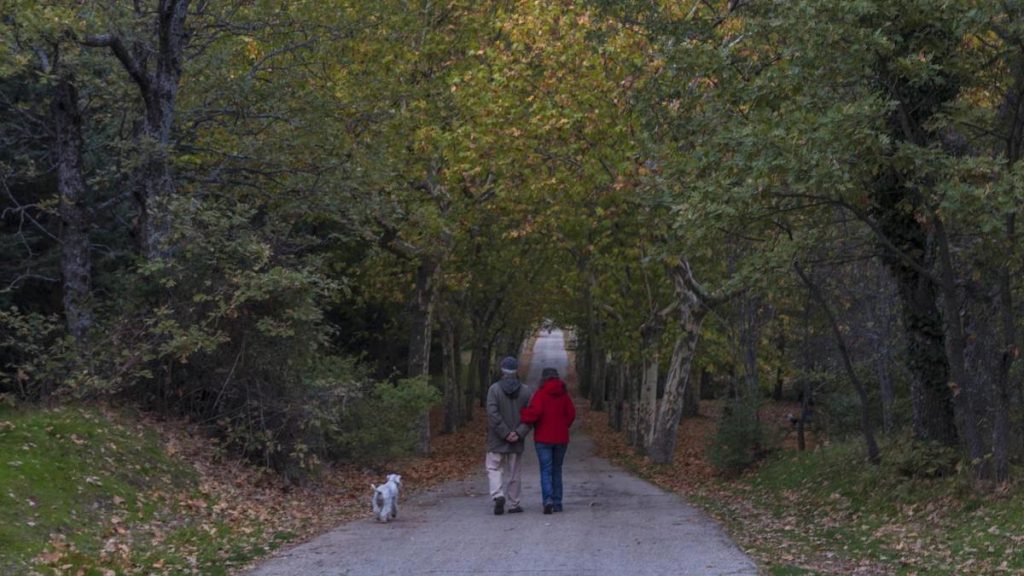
x=549 y=508
x=499 y=505
x=515 y=510
x=558 y=508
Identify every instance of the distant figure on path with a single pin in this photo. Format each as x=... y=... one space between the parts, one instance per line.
x=552 y=412
x=506 y=436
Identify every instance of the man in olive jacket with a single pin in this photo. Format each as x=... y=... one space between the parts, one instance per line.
x=506 y=437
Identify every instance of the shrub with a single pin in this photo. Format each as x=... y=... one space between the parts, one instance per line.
x=838 y=413
x=914 y=458
x=739 y=440
x=31 y=354
x=383 y=425
x=281 y=411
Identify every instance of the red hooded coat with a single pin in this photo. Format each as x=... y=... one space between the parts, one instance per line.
x=551 y=411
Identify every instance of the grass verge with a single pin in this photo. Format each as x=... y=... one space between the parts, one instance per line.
x=93 y=491
x=829 y=512
x=71 y=480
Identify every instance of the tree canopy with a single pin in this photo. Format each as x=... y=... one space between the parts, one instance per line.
x=252 y=213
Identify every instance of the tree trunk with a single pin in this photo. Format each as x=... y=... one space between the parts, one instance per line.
x=732 y=390
x=461 y=402
x=882 y=337
x=781 y=344
x=805 y=384
x=805 y=411
x=153 y=180
x=750 y=338
x=865 y=410
x=597 y=376
x=650 y=338
x=469 y=386
x=421 y=314
x=484 y=373
x=617 y=414
x=611 y=389
x=450 y=368
x=479 y=359
x=75 y=260
x=965 y=392
x=583 y=358
x=632 y=415
x=886 y=390
x=897 y=204
x=157 y=179
x=420 y=331
x=1011 y=122
x=670 y=411
x=930 y=395
x=691 y=405
x=692 y=304
x=1009 y=352
x=707 y=391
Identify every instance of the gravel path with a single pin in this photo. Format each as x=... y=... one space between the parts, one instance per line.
x=613 y=524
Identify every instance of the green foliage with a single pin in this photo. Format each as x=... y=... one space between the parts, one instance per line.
x=913 y=458
x=381 y=427
x=739 y=439
x=27 y=342
x=552 y=158
x=837 y=406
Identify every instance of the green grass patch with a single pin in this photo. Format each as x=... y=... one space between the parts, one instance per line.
x=830 y=512
x=64 y=472
x=81 y=492
x=832 y=501
x=789 y=570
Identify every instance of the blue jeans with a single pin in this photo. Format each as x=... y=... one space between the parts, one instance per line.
x=551 y=457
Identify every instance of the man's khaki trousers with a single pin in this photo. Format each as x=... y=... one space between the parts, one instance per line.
x=503 y=476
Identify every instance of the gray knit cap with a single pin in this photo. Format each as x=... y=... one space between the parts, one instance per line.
x=509 y=364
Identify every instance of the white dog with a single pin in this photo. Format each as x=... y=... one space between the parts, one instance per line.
x=385 y=498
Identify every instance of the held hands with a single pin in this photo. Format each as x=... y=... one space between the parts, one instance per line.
x=512 y=437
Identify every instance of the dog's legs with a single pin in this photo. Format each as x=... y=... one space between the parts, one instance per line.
x=398 y=492
x=378 y=502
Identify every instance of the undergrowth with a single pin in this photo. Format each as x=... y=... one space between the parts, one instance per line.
x=904 y=524
x=828 y=511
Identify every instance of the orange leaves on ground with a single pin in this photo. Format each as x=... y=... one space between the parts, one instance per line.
x=453 y=456
x=773 y=538
x=232 y=512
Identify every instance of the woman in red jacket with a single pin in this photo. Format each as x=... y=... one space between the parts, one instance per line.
x=551 y=411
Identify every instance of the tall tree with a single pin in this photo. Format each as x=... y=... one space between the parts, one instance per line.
x=75 y=258
x=153 y=56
